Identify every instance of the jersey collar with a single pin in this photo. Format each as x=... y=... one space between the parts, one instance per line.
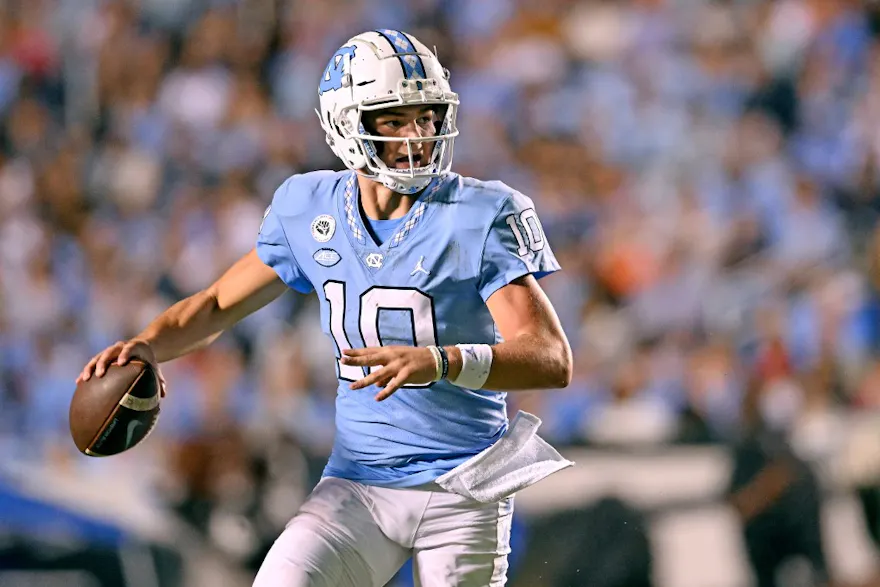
x=415 y=215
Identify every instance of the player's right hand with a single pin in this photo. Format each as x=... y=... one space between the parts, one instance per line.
x=122 y=352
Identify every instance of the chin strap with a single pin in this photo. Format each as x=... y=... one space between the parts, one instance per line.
x=395 y=185
x=406 y=188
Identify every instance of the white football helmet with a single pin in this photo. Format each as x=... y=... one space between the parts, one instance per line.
x=383 y=69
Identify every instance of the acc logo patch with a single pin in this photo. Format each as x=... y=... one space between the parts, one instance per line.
x=323 y=228
x=326 y=257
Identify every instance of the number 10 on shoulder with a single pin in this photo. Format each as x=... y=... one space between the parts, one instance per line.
x=528 y=218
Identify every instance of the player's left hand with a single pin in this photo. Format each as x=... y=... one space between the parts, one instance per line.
x=399 y=365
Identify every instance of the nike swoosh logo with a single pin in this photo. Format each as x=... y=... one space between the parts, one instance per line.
x=132 y=426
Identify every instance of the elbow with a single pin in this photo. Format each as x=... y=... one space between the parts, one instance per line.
x=565 y=380
x=565 y=372
x=563 y=366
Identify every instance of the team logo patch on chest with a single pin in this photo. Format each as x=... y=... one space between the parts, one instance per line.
x=326 y=257
x=323 y=228
x=374 y=260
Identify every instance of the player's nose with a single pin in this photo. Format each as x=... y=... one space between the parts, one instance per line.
x=413 y=130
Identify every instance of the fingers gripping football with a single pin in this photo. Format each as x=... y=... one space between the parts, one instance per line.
x=122 y=352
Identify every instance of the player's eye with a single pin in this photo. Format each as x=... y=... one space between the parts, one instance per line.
x=395 y=124
x=425 y=120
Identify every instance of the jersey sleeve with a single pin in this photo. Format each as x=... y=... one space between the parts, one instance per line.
x=273 y=247
x=515 y=246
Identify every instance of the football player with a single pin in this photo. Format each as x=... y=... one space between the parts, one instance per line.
x=428 y=288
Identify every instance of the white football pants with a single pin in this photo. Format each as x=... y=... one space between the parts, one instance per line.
x=348 y=534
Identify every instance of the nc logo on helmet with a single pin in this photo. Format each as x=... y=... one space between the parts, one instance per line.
x=332 y=79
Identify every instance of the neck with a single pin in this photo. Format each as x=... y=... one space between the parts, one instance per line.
x=380 y=203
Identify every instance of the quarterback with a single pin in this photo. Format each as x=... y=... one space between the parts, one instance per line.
x=428 y=289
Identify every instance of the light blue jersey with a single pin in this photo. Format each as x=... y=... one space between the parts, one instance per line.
x=425 y=285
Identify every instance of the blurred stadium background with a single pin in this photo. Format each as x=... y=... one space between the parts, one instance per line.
x=708 y=173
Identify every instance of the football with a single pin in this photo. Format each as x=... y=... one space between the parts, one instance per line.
x=116 y=412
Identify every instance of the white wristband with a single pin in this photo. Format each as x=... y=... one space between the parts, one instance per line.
x=476 y=362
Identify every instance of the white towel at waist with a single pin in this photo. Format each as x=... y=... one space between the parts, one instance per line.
x=520 y=458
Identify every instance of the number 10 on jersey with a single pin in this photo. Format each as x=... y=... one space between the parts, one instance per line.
x=372 y=302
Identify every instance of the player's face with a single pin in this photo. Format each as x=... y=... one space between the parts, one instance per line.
x=403 y=122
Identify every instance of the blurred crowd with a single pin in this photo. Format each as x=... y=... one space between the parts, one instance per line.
x=708 y=174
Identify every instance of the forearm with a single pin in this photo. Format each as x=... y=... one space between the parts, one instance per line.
x=188 y=325
x=524 y=363
x=535 y=353
x=198 y=320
